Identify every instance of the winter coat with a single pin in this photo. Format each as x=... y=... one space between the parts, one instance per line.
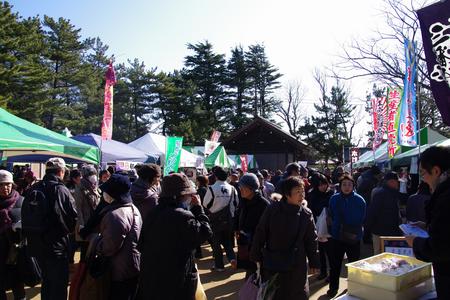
x=415 y=207
x=436 y=248
x=250 y=213
x=169 y=236
x=346 y=209
x=62 y=220
x=224 y=194
x=317 y=201
x=365 y=184
x=144 y=198
x=279 y=226
x=120 y=229
x=86 y=199
x=201 y=191
x=383 y=213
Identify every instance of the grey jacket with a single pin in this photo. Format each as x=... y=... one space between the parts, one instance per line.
x=86 y=200
x=120 y=229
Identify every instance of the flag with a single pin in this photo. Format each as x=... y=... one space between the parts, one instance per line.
x=244 y=162
x=407 y=127
x=210 y=146
x=393 y=100
x=215 y=136
x=107 y=123
x=173 y=153
x=379 y=114
x=435 y=26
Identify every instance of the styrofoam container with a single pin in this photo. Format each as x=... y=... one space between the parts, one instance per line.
x=366 y=292
x=389 y=282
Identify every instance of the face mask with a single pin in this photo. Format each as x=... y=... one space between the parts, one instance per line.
x=93 y=180
x=108 y=198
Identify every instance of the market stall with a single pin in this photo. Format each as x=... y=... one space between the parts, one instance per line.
x=112 y=151
x=23 y=141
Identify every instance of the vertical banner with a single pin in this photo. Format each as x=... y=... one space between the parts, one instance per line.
x=244 y=162
x=354 y=156
x=394 y=98
x=435 y=26
x=215 y=136
x=379 y=110
x=210 y=146
x=107 y=123
x=407 y=129
x=173 y=153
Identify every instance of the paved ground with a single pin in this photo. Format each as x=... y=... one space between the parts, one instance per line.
x=225 y=285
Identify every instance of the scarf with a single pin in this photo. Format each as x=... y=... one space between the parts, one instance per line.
x=6 y=204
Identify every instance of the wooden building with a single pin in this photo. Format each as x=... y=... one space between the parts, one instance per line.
x=273 y=147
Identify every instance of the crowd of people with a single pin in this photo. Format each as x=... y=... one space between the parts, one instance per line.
x=139 y=235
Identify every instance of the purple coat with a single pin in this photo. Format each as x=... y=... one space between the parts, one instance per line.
x=120 y=229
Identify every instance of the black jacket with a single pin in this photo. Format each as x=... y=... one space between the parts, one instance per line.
x=250 y=212
x=365 y=184
x=168 y=237
x=383 y=214
x=317 y=201
x=436 y=248
x=62 y=220
x=280 y=224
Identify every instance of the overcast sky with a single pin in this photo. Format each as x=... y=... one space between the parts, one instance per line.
x=299 y=35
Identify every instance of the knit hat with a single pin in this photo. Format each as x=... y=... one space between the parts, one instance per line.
x=88 y=170
x=118 y=187
x=175 y=185
x=391 y=176
x=55 y=163
x=6 y=177
x=249 y=180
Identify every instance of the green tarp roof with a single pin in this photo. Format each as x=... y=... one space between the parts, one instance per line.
x=218 y=158
x=21 y=137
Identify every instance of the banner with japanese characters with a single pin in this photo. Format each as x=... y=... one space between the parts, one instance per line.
x=379 y=114
x=407 y=127
x=393 y=100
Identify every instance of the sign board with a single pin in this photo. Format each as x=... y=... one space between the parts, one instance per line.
x=354 y=155
x=396 y=245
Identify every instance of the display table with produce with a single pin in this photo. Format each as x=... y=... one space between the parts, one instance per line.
x=389 y=276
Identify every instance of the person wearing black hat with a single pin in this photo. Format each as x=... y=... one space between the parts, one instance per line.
x=171 y=232
x=221 y=200
x=120 y=229
x=251 y=209
x=383 y=213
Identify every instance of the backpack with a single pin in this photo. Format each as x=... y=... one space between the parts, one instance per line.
x=221 y=220
x=36 y=212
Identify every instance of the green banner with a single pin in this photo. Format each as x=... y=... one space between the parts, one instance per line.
x=173 y=153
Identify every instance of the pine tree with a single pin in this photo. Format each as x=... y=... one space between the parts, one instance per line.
x=239 y=84
x=22 y=74
x=330 y=128
x=264 y=79
x=63 y=59
x=207 y=71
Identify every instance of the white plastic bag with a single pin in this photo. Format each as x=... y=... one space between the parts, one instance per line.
x=322 y=227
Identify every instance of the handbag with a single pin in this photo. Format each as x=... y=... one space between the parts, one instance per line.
x=283 y=261
x=99 y=264
x=28 y=267
x=250 y=289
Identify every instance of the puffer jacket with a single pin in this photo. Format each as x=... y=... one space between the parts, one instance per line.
x=144 y=197
x=120 y=229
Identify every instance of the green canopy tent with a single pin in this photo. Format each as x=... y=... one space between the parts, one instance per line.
x=218 y=158
x=404 y=159
x=21 y=138
x=427 y=136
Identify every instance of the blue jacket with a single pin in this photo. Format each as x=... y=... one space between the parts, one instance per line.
x=351 y=207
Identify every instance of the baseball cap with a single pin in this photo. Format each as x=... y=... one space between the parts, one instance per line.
x=55 y=163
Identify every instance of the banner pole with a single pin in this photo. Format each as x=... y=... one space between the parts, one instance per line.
x=418 y=101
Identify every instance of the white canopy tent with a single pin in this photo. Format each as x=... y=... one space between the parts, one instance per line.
x=156 y=143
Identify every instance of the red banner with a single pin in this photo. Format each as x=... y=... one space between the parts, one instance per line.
x=244 y=162
x=215 y=136
x=107 y=124
x=379 y=110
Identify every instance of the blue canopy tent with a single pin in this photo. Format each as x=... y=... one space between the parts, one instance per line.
x=112 y=151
